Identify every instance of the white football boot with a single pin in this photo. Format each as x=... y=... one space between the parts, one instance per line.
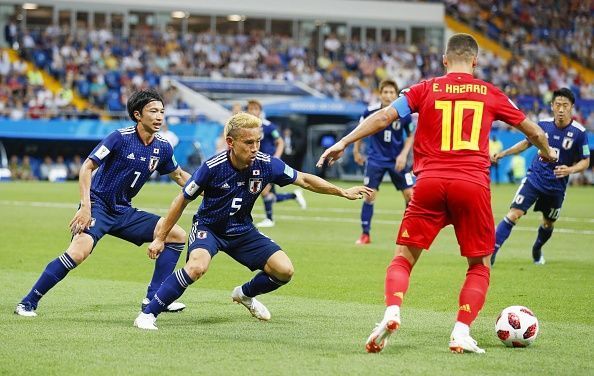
x=173 y=307
x=460 y=343
x=257 y=309
x=265 y=223
x=146 y=321
x=378 y=339
x=25 y=310
x=300 y=199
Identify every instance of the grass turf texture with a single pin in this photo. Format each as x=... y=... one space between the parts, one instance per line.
x=320 y=321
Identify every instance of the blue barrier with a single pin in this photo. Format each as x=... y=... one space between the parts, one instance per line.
x=206 y=133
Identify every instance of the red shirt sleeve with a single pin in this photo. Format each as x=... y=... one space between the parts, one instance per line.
x=415 y=95
x=506 y=110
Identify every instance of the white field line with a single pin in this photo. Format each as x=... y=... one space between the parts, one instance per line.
x=307 y=218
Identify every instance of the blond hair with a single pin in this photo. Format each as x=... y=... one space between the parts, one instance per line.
x=241 y=120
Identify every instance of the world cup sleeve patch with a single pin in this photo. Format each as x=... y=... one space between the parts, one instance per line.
x=192 y=188
x=102 y=152
x=289 y=171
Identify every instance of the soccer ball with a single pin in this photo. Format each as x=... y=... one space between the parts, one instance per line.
x=516 y=326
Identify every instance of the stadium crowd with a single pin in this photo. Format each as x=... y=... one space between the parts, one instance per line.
x=105 y=69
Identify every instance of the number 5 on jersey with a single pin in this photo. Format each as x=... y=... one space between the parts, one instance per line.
x=448 y=129
x=235 y=205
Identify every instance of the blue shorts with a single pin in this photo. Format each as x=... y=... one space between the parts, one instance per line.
x=374 y=175
x=252 y=249
x=135 y=226
x=527 y=195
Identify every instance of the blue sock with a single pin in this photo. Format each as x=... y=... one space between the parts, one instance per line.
x=366 y=214
x=164 y=266
x=285 y=196
x=268 y=202
x=172 y=288
x=503 y=231
x=54 y=272
x=544 y=234
x=261 y=284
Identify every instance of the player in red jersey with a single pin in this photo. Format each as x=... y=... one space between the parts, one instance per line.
x=451 y=161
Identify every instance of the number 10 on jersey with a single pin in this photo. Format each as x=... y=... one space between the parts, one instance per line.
x=451 y=134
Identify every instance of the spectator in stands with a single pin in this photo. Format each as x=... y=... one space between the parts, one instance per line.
x=517 y=169
x=11 y=33
x=14 y=168
x=74 y=167
x=26 y=169
x=45 y=168
x=169 y=135
x=495 y=146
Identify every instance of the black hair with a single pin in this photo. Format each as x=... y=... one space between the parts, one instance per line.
x=563 y=92
x=139 y=99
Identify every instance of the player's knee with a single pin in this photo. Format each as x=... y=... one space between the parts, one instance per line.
x=514 y=215
x=548 y=224
x=80 y=248
x=195 y=270
x=177 y=235
x=285 y=272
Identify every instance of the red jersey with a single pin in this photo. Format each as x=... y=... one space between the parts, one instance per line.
x=456 y=112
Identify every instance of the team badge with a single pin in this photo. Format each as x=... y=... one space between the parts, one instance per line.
x=255 y=185
x=155 y=150
x=567 y=143
x=256 y=172
x=201 y=234
x=154 y=161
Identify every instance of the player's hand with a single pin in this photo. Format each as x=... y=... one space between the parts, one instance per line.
x=561 y=171
x=81 y=221
x=551 y=156
x=359 y=158
x=400 y=163
x=495 y=158
x=358 y=192
x=155 y=248
x=332 y=154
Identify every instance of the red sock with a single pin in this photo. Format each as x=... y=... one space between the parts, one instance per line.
x=397 y=278
x=473 y=293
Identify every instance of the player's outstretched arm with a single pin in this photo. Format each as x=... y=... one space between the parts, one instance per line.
x=517 y=148
x=175 y=211
x=538 y=138
x=373 y=124
x=180 y=176
x=82 y=218
x=317 y=184
x=562 y=171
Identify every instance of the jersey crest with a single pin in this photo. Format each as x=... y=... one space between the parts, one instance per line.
x=255 y=185
x=153 y=163
x=567 y=143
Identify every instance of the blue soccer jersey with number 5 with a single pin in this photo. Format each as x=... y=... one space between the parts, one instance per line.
x=230 y=194
x=125 y=164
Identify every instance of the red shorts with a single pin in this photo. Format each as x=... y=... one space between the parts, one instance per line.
x=437 y=203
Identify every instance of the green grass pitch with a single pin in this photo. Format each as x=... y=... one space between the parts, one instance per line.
x=320 y=321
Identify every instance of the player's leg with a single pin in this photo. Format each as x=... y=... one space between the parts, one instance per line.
x=550 y=206
x=258 y=252
x=173 y=287
x=373 y=178
x=469 y=207
x=79 y=249
x=268 y=197
x=423 y=219
x=524 y=198
x=139 y=227
x=404 y=182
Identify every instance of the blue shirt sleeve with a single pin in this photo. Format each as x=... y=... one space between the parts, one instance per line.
x=401 y=105
x=170 y=164
x=282 y=173
x=196 y=184
x=106 y=147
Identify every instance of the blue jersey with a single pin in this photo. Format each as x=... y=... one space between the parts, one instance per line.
x=269 y=135
x=230 y=194
x=384 y=146
x=125 y=164
x=571 y=145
